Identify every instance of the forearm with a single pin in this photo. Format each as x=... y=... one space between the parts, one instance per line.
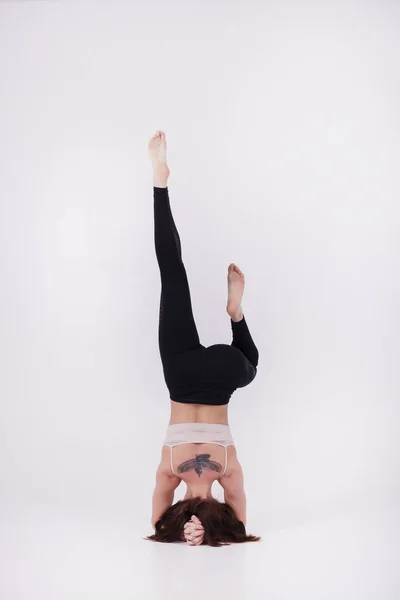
x=237 y=501
x=161 y=501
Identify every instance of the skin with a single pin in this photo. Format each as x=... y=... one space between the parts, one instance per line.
x=193 y=531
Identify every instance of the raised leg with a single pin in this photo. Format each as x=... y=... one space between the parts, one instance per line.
x=177 y=328
x=243 y=341
x=240 y=332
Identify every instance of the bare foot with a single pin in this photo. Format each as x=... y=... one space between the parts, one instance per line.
x=236 y=283
x=158 y=157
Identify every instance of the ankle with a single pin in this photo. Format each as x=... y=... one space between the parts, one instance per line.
x=237 y=315
x=157 y=183
x=160 y=180
x=160 y=175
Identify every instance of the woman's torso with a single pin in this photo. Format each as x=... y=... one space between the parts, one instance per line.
x=199 y=462
x=198 y=413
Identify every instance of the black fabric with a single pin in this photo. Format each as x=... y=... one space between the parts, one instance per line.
x=193 y=373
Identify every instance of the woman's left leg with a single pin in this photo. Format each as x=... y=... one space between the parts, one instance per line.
x=177 y=331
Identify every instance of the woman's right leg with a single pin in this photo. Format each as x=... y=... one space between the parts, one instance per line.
x=177 y=328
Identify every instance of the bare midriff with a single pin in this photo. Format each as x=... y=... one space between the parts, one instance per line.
x=198 y=413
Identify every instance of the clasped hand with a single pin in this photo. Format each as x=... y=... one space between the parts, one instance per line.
x=193 y=531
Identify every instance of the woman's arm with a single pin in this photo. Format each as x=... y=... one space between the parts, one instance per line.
x=163 y=495
x=234 y=494
x=238 y=502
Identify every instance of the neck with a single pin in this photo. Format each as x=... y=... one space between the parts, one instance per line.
x=194 y=491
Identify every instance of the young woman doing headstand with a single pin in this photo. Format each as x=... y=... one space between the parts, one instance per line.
x=198 y=448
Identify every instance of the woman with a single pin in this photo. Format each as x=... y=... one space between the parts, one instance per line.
x=198 y=447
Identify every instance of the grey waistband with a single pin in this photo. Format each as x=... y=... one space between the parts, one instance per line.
x=181 y=433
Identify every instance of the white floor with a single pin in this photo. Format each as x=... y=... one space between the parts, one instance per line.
x=47 y=555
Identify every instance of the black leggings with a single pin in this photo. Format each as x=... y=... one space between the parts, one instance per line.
x=193 y=373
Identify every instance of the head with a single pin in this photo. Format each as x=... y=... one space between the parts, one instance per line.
x=221 y=526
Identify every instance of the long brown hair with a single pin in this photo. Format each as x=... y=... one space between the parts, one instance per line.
x=221 y=525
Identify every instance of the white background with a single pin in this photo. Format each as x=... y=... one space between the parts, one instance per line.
x=282 y=121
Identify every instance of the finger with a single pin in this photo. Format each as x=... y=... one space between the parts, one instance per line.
x=198 y=541
x=195 y=536
x=191 y=537
x=195 y=527
x=198 y=523
x=195 y=543
x=192 y=533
